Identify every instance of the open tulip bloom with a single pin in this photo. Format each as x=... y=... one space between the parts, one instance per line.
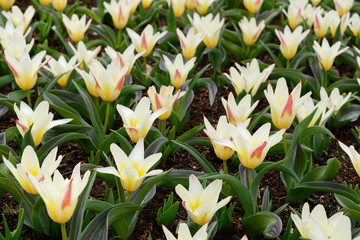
x=190 y=42
x=178 y=71
x=10 y=30
x=253 y=5
x=343 y=6
x=250 y=30
x=61 y=195
x=84 y=55
x=76 y=27
x=295 y=12
x=18 y=17
x=146 y=40
x=119 y=11
x=40 y=120
x=335 y=100
x=16 y=44
x=201 y=204
x=353 y=155
x=321 y=23
x=185 y=234
x=282 y=105
x=354 y=24
x=134 y=169
x=138 y=123
x=178 y=7
x=202 y=6
x=30 y=165
x=326 y=54
x=61 y=66
x=320 y=115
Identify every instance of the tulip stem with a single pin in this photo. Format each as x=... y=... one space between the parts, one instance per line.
x=226 y=171
x=144 y=65
x=63 y=231
x=250 y=178
x=28 y=98
x=287 y=63
x=106 y=117
x=162 y=127
x=247 y=51
x=284 y=143
x=119 y=37
x=128 y=197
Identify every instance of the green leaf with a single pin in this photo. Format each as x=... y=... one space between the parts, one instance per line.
x=266 y=223
x=171 y=20
x=352 y=208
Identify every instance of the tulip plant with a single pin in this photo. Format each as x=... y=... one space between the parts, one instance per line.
x=123 y=82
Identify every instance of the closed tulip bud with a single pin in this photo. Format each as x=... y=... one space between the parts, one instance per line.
x=238 y=112
x=16 y=44
x=336 y=100
x=295 y=13
x=282 y=105
x=30 y=165
x=290 y=41
x=61 y=195
x=320 y=116
x=126 y=58
x=59 y=5
x=326 y=54
x=76 y=27
x=253 y=5
x=201 y=204
x=137 y=123
x=40 y=120
x=252 y=149
x=132 y=169
x=354 y=24
x=190 y=42
x=208 y=26
x=190 y=4
x=335 y=21
x=45 y=3
x=178 y=71
x=353 y=155
x=84 y=55
x=321 y=23
x=203 y=5
x=133 y=5
x=343 y=6
x=119 y=11
x=146 y=3
x=250 y=31
x=61 y=66
x=146 y=40
x=184 y=233
x=163 y=99
x=248 y=78
x=178 y=7
x=316 y=225
x=222 y=131
x=315 y=2
x=17 y=17
x=24 y=68
x=7 y=4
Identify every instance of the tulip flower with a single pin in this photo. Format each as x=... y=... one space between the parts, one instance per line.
x=76 y=27
x=252 y=149
x=145 y=41
x=335 y=21
x=11 y=30
x=250 y=31
x=222 y=131
x=184 y=233
x=189 y=43
x=321 y=23
x=178 y=70
x=133 y=4
x=326 y=54
x=320 y=115
x=164 y=99
x=282 y=105
x=353 y=155
x=238 y=112
x=132 y=169
x=343 y=6
x=24 y=68
x=209 y=26
x=30 y=165
x=190 y=4
x=40 y=120
x=354 y=24
x=61 y=66
x=7 y=4
x=61 y=195
x=16 y=44
x=202 y=6
x=201 y=204
x=249 y=78
x=138 y=123
x=119 y=11
x=335 y=100
x=84 y=55
x=45 y=3
x=146 y=3
x=126 y=58
x=308 y=14
x=178 y=7
x=316 y=225
x=17 y=17
x=315 y=2
x=253 y=5
x=294 y=13
x=290 y=41
x=59 y=5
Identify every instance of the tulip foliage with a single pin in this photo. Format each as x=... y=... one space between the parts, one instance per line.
x=123 y=82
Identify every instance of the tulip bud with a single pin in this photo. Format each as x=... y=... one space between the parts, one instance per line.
x=76 y=28
x=61 y=66
x=253 y=5
x=59 y=5
x=326 y=54
x=119 y=11
x=178 y=70
x=7 y=4
x=250 y=31
x=189 y=43
x=343 y=6
x=202 y=6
